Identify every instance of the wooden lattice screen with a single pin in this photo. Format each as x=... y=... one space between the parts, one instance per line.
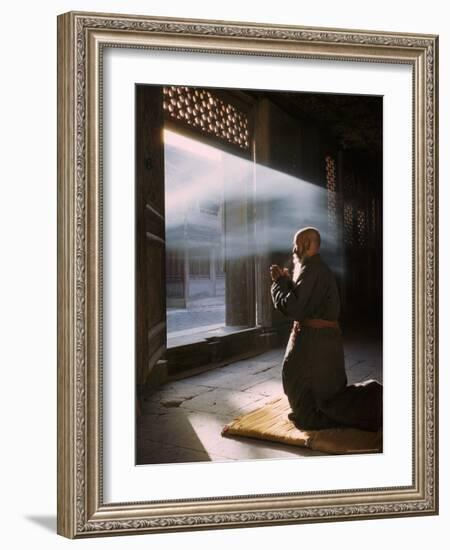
x=206 y=112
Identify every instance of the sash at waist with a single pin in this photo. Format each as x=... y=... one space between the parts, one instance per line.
x=314 y=323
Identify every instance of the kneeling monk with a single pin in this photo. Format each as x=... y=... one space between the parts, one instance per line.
x=314 y=377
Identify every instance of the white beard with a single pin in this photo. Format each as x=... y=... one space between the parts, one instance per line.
x=297 y=267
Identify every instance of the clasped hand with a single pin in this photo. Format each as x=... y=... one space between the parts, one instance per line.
x=276 y=272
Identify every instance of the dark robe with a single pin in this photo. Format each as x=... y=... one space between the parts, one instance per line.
x=314 y=377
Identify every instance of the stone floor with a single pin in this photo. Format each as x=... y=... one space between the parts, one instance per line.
x=200 y=312
x=182 y=420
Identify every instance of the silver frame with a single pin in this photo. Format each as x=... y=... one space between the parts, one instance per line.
x=81 y=38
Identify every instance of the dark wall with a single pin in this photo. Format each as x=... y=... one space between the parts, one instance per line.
x=362 y=186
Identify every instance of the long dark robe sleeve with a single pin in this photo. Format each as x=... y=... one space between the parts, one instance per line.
x=292 y=299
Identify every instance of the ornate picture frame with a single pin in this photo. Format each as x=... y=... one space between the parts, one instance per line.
x=82 y=510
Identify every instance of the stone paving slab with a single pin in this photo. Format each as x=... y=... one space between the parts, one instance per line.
x=269 y=388
x=222 y=402
x=183 y=393
x=171 y=395
x=235 y=380
x=156 y=452
x=175 y=429
x=185 y=319
x=248 y=366
x=364 y=370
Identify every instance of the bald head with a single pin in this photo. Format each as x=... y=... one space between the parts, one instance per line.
x=306 y=242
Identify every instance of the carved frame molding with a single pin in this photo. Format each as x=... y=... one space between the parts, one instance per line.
x=81 y=37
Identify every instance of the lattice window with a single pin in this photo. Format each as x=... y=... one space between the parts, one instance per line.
x=361 y=227
x=330 y=166
x=203 y=110
x=348 y=224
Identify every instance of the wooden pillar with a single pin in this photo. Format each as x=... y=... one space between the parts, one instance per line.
x=150 y=258
x=186 y=273
x=262 y=220
x=239 y=286
x=212 y=270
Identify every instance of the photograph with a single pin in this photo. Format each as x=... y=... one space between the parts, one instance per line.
x=259 y=263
